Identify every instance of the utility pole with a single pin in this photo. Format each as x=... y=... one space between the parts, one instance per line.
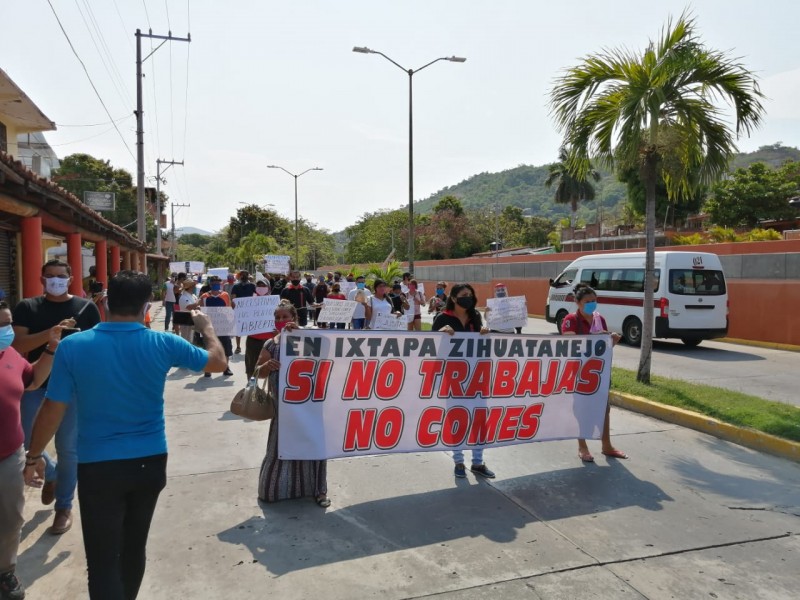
x=174 y=243
x=141 y=225
x=160 y=162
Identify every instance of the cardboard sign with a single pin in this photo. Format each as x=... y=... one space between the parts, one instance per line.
x=276 y=263
x=346 y=286
x=255 y=314
x=389 y=322
x=337 y=311
x=222 y=319
x=507 y=313
x=351 y=393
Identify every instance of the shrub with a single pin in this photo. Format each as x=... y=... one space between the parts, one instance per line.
x=763 y=235
x=689 y=240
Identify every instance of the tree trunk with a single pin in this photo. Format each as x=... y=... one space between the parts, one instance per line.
x=643 y=374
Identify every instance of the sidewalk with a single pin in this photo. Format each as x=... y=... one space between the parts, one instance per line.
x=688 y=516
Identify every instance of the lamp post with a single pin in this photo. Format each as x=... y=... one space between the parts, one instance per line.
x=410 y=73
x=296 y=230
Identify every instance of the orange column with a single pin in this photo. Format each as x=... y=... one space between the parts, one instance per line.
x=31 y=257
x=101 y=261
x=143 y=262
x=75 y=262
x=114 y=261
x=135 y=262
x=126 y=260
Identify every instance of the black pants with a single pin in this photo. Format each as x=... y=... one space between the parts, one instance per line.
x=117 y=499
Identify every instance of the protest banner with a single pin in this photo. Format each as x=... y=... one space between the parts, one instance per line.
x=189 y=266
x=346 y=286
x=221 y=272
x=337 y=311
x=506 y=313
x=370 y=392
x=276 y=263
x=255 y=314
x=390 y=322
x=222 y=319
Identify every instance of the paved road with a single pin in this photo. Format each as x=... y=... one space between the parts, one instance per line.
x=763 y=372
x=689 y=517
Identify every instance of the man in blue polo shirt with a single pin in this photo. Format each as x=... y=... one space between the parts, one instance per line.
x=115 y=373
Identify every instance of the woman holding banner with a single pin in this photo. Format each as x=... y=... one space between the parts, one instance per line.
x=216 y=297
x=378 y=304
x=285 y=479
x=585 y=321
x=461 y=315
x=254 y=342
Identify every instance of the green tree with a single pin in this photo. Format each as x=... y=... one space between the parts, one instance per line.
x=253 y=218
x=752 y=195
x=450 y=204
x=571 y=187
x=656 y=109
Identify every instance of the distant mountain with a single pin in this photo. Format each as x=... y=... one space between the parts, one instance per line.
x=179 y=231
x=774 y=155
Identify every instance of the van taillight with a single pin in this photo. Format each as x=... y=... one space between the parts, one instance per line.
x=664 y=307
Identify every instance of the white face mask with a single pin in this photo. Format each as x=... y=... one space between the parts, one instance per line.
x=56 y=286
x=261 y=291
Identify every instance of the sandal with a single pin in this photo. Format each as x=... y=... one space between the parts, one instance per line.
x=615 y=454
x=585 y=456
x=323 y=501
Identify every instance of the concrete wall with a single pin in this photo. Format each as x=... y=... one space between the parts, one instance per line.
x=763 y=279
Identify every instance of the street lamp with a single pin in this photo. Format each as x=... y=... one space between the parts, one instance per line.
x=410 y=72
x=296 y=230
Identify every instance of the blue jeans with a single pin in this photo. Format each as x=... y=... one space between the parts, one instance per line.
x=477 y=456
x=65 y=471
x=359 y=323
x=168 y=308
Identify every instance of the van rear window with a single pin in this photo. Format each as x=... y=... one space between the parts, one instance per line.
x=617 y=280
x=689 y=282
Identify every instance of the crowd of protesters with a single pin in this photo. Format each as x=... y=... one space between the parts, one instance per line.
x=117 y=465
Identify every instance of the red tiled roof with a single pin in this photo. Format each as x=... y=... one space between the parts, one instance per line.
x=27 y=175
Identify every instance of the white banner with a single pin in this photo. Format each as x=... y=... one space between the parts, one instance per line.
x=369 y=392
x=221 y=272
x=506 y=313
x=336 y=311
x=276 y=263
x=390 y=322
x=255 y=314
x=222 y=319
x=346 y=286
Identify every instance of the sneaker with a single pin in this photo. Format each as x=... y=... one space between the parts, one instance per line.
x=237 y=351
x=227 y=372
x=10 y=587
x=206 y=374
x=62 y=522
x=482 y=470
x=460 y=471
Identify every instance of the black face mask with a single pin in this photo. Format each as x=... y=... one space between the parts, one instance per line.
x=295 y=282
x=466 y=302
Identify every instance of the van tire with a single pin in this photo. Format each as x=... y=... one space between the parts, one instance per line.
x=691 y=343
x=560 y=319
x=632 y=331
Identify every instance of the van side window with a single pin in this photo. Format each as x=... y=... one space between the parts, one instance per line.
x=617 y=280
x=689 y=282
x=566 y=278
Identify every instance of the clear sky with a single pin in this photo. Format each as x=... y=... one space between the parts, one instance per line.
x=277 y=83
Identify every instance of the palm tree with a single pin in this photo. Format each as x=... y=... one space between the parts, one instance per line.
x=570 y=188
x=656 y=110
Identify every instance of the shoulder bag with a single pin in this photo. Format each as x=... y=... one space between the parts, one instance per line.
x=255 y=403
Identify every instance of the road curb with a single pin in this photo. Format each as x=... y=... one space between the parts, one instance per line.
x=760 y=344
x=750 y=438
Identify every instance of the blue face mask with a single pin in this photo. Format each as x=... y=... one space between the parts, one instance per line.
x=6 y=336
x=439 y=292
x=590 y=307
x=361 y=285
x=216 y=287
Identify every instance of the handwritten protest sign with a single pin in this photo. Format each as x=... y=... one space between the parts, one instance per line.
x=276 y=263
x=346 y=286
x=390 y=322
x=255 y=314
x=507 y=313
x=222 y=319
x=337 y=311
x=350 y=393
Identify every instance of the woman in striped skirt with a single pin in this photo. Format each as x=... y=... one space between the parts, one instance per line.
x=284 y=479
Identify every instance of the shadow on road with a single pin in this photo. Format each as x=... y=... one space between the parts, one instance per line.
x=701 y=353
x=296 y=534
x=32 y=564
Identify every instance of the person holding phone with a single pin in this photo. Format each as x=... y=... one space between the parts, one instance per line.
x=33 y=320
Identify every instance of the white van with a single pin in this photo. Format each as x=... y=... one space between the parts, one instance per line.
x=691 y=299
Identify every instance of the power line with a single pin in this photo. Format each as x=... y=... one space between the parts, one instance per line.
x=85 y=70
x=97 y=124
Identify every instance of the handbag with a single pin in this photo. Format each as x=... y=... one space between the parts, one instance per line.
x=255 y=403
